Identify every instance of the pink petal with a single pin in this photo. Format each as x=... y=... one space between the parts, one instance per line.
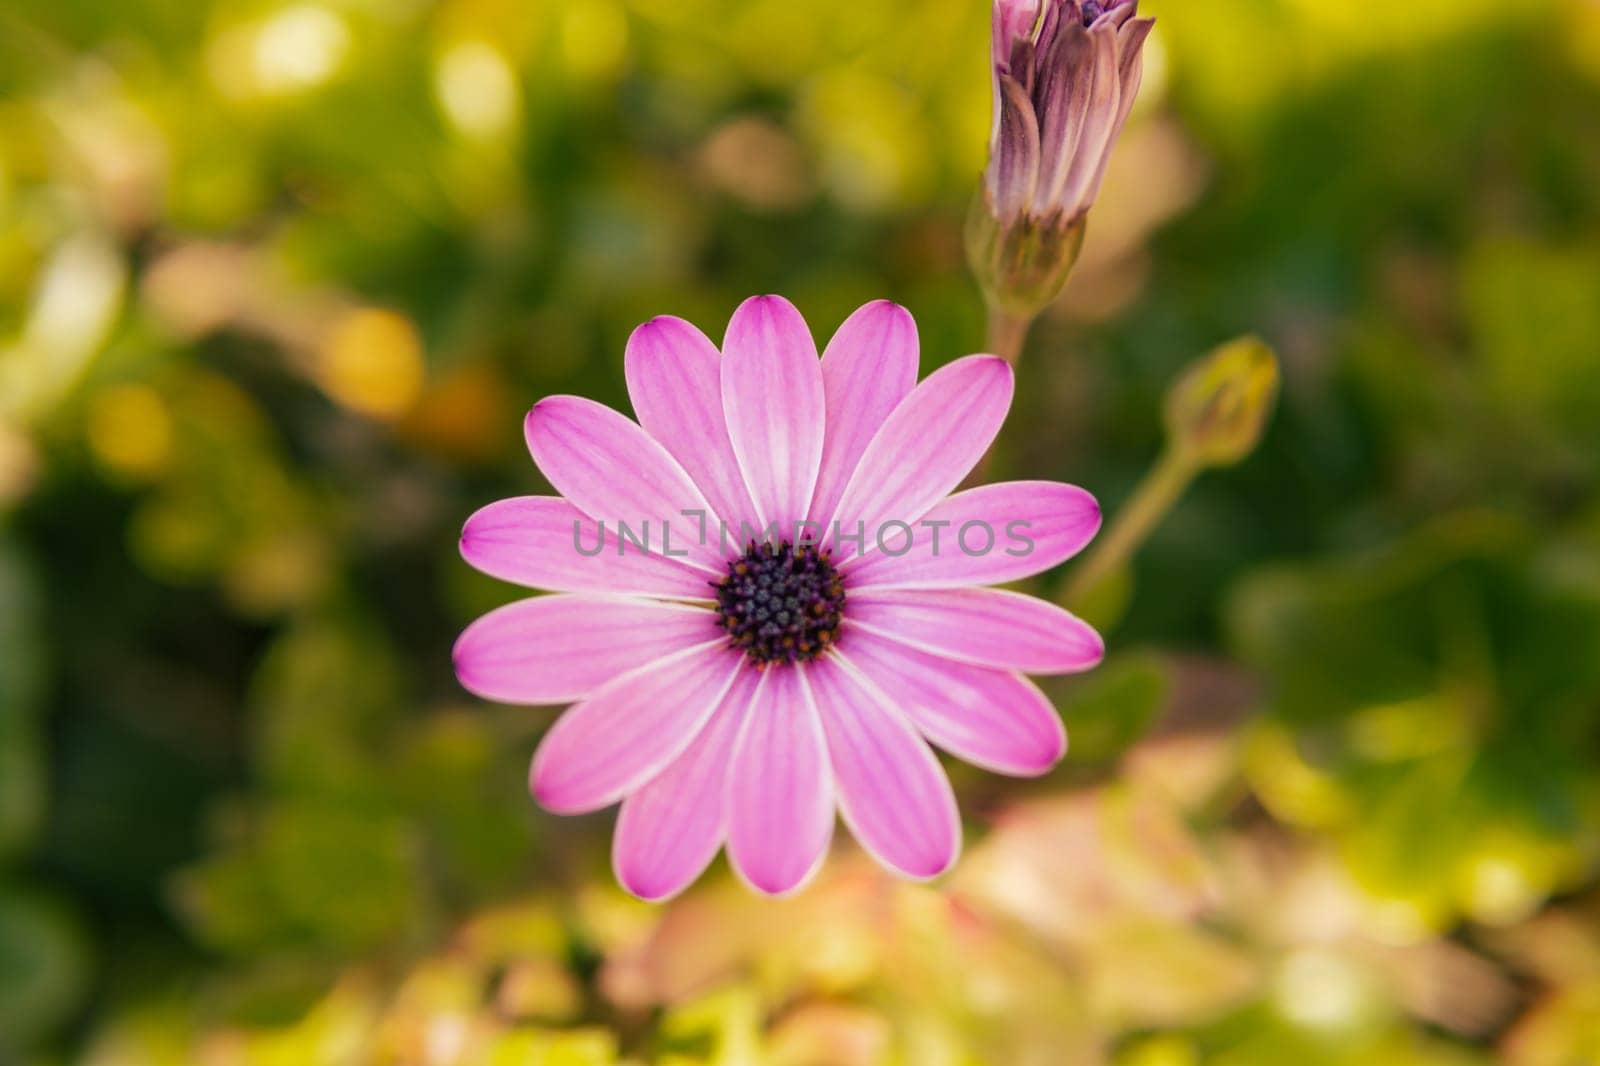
x=675 y=381
x=867 y=369
x=670 y=829
x=780 y=795
x=629 y=730
x=985 y=627
x=1009 y=20
x=1065 y=80
x=560 y=648
x=927 y=445
x=992 y=534
x=615 y=472
x=1101 y=115
x=773 y=397
x=893 y=793
x=1014 y=172
x=1131 y=36
x=544 y=542
x=990 y=718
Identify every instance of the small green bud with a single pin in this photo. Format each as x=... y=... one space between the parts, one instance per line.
x=1021 y=264
x=1217 y=410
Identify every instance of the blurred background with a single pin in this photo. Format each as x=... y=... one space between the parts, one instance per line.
x=278 y=279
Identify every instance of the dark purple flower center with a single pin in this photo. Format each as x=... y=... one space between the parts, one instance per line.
x=781 y=603
x=1093 y=9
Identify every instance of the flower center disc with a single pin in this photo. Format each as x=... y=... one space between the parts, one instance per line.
x=781 y=603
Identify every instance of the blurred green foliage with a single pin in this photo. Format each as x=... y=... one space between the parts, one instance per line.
x=278 y=279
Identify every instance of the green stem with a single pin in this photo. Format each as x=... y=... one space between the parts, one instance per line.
x=1007 y=334
x=1161 y=488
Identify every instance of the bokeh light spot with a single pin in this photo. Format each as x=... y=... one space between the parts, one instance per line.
x=130 y=430
x=477 y=89
x=372 y=362
x=594 y=39
x=1318 y=989
x=19 y=464
x=299 y=47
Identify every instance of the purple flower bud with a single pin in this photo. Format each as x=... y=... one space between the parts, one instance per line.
x=1065 y=78
x=1066 y=73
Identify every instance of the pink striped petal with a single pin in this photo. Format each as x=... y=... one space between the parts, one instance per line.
x=984 y=536
x=1131 y=34
x=560 y=648
x=990 y=718
x=985 y=627
x=867 y=369
x=615 y=472
x=544 y=542
x=1065 y=81
x=1100 y=119
x=927 y=445
x=630 y=730
x=669 y=830
x=893 y=793
x=1013 y=178
x=773 y=397
x=675 y=381
x=780 y=794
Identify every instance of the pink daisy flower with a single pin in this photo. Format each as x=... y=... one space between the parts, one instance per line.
x=735 y=689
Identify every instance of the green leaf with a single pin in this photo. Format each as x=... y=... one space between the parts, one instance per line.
x=1536 y=320
x=1109 y=709
x=324 y=876
x=323 y=699
x=44 y=967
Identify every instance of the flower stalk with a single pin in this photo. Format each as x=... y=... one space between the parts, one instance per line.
x=1162 y=486
x=1006 y=334
x=1216 y=413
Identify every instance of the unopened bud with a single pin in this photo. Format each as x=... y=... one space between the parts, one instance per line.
x=1217 y=410
x=1065 y=76
x=1021 y=264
